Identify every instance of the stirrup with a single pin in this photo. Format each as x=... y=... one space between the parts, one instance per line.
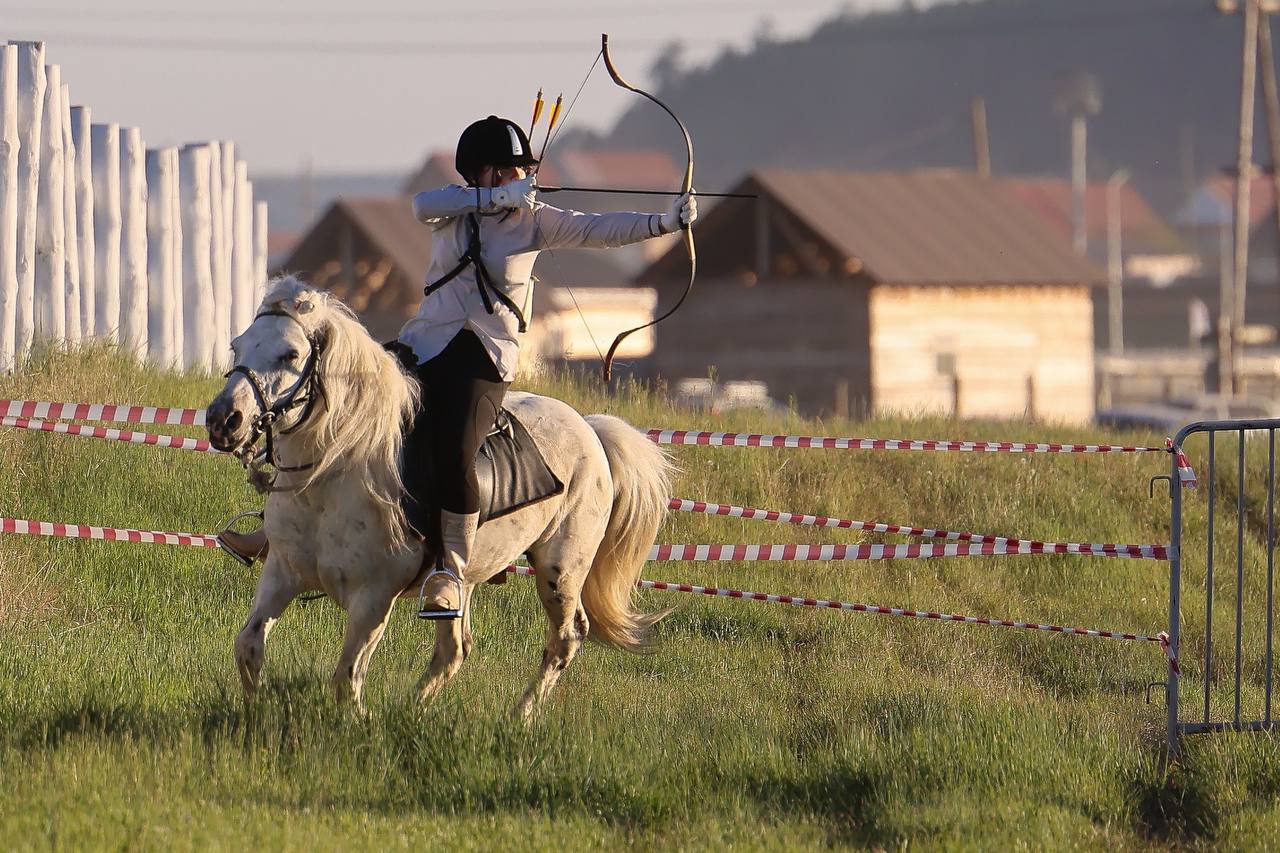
x=435 y=615
x=227 y=549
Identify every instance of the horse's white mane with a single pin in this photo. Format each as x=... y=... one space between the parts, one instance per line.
x=358 y=426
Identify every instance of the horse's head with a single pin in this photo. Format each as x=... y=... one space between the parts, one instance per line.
x=275 y=382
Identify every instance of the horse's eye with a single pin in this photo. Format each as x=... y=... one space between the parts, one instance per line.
x=291 y=355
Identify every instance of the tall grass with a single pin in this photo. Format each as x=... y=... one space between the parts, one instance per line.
x=755 y=725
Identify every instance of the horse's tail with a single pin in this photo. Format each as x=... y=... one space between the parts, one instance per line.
x=641 y=490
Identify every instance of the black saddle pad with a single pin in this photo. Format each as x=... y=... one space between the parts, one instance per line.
x=511 y=471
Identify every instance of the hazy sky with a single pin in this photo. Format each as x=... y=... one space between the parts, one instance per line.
x=369 y=85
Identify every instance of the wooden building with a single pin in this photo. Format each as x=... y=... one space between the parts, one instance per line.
x=372 y=254
x=860 y=292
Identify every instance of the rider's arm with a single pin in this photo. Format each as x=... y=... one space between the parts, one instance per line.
x=569 y=229
x=435 y=207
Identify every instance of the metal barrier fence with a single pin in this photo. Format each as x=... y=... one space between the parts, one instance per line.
x=1234 y=689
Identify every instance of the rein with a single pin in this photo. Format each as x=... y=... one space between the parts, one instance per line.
x=305 y=392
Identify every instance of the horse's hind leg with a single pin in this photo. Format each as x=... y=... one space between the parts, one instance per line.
x=367 y=614
x=275 y=590
x=453 y=643
x=559 y=586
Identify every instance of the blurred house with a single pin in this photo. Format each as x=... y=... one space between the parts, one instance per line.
x=1153 y=255
x=860 y=292
x=1170 y=334
x=372 y=254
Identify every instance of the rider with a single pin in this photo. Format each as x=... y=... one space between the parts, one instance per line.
x=465 y=337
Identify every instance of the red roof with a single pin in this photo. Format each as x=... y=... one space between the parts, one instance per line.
x=1052 y=199
x=1261 y=194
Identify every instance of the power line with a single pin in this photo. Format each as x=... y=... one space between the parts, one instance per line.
x=255 y=15
x=878 y=31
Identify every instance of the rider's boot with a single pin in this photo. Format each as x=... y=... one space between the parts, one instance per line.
x=245 y=547
x=441 y=593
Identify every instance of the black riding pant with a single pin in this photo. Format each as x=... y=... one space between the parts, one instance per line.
x=462 y=393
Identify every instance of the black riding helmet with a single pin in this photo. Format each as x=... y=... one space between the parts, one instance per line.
x=492 y=141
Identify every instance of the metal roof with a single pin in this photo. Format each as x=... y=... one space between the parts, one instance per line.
x=928 y=227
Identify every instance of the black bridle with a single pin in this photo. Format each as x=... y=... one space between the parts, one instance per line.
x=303 y=393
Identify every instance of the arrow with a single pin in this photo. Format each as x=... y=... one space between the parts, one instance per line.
x=641 y=192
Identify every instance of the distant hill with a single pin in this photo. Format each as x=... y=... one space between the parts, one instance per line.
x=892 y=90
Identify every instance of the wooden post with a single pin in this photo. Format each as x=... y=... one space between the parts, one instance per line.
x=71 y=227
x=176 y=344
x=197 y=269
x=981 y=150
x=220 y=318
x=160 y=259
x=106 y=229
x=80 y=135
x=242 y=303
x=8 y=203
x=31 y=88
x=1233 y=383
x=133 y=242
x=50 y=279
x=1271 y=104
x=259 y=252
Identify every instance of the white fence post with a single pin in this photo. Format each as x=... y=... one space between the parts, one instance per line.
x=133 y=242
x=106 y=229
x=220 y=318
x=71 y=238
x=228 y=153
x=8 y=203
x=197 y=273
x=175 y=278
x=51 y=224
x=259 y=253
x=242 y=305
x=84 y=216
x=160 y=258
x=31 y=88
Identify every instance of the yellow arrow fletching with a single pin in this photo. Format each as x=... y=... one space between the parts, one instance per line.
x=537 y=112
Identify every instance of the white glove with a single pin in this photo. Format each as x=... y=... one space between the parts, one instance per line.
x=684 y=210
x=517 y=194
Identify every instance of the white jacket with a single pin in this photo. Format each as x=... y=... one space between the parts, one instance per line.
x=510 y=241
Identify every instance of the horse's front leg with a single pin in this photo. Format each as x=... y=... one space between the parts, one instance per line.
x=367 y=615
x=453 y=642
x=276 y=588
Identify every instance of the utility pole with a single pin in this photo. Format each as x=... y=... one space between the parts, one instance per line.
x=1271 y=103
x=981 y=149
x=1079 y=97
x=1230 y=325
x=1115 y=263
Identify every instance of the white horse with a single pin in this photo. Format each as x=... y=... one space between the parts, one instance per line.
x=333 y=405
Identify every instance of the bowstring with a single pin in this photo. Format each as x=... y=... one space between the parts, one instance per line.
x=551 y=252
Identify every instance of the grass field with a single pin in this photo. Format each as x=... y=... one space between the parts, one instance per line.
x=750 y=725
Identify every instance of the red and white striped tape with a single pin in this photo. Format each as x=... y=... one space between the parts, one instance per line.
x=33 y=409
x=846 y=553
x=736 y=439
x=177 y=442
x=112 y=534
x=157 y=537
x=1162 y=638
x=123 y=414
x=753 y=514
